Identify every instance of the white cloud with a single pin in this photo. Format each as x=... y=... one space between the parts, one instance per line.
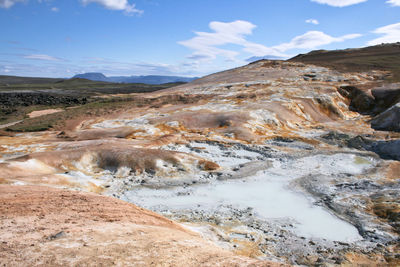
x=109 y=67
x=260 y=50
x=116 y=67
x=312 y=21
x=313 y=39
x=9 y=3
x=206 y=44
x=339 y=3
x=42 y=57
x=55 y=9
x=116 y=5
x=391 y=34
x=394 y=2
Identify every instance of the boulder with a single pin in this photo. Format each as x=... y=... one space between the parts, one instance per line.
x=386 y=149
x=385 y=97
x=360 y=101
x=388 y=120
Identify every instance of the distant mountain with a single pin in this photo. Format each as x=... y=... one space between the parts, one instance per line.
x=149 y=79
x=268 y=57
x=93 y=76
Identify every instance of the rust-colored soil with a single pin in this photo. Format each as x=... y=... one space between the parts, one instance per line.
x=51 y=227
x=393 y=172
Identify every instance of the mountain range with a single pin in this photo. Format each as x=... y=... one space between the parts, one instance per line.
x=147 y=79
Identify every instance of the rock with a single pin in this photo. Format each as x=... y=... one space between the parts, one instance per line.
x=388 y=120
x=358 y=142
x=56 y=236
x=387 y=206
x=208 y=165
x=386 y=97
x=329 y=107
x=13 y=99
x=310 y=75
x=386 y=149
x=336 y=138
x=360 y=101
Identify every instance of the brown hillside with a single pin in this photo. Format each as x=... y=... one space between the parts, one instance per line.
x=379 y=57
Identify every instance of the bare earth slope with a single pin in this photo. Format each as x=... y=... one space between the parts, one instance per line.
x=52 y=227
x=379 y=57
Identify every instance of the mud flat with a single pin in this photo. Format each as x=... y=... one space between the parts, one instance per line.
x=270 y=206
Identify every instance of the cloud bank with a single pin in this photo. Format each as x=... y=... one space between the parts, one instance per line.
x=391 y=34
x=313 y=39
x=122 y=5
x=42 y=57
x=339 y=3
x=206 y=46
x=394 y=2
x=9 y=3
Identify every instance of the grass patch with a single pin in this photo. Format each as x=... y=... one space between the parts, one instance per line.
x=21 y=113
x=101 y=108
x=83 y=87
x=19 y=99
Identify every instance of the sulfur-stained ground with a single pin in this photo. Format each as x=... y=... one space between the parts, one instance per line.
x=254 y=159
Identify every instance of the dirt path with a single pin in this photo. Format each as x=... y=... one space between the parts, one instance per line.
x=38 y=113
x=9 y=124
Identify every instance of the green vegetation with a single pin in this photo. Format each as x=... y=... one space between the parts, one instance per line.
x=102 y=107
x=20 y=113
x=19 y=96
x=58 y=120
x=76 y=86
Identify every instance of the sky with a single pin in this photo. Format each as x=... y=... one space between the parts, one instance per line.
x=61 y=38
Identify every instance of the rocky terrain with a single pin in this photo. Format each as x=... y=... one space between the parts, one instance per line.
x=275 y=161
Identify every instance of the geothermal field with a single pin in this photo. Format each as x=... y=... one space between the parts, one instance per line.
x=272 y=164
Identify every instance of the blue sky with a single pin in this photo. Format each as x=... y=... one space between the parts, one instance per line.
x=60 y=38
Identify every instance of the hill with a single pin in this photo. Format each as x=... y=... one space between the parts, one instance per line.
x=93 y=76
x=74 y=86
x=6 y=79
x=379 y=57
